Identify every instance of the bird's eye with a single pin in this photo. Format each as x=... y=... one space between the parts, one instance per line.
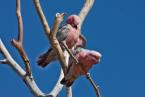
x=75 y=26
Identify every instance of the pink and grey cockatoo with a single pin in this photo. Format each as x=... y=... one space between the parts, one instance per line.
x=86 y=59
x=68 y=34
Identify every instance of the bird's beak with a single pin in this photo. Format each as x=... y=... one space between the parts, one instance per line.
x=65 y=14
x=98 y=55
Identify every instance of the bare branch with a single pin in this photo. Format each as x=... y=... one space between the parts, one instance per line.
x=68 y=89
x=16 y=67
x=52 y=37
x=4 y=61
x=30 y=82
x=42 y=17
x=69 y=92
x=57 y=88
x=96 y=87
x=86 y=8
x=54 y=42
x=18 y=44
x=70 y=53
x=20 y=22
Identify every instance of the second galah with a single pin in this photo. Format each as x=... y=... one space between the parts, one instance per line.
x=86 y=59
x=68 y=34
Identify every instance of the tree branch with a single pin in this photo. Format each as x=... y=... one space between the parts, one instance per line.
x=68 y=89
x=42 y=17
x=20 y=71
x=18 y=44
x=56 y=46
x=96 y=87
x=68 y=92
x=30 y=81
x=4 y=61
x=59 y=86
x=54 y=42
x=84 y=11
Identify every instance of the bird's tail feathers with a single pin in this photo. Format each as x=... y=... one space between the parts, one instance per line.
x=68 y=83
x=46 y=58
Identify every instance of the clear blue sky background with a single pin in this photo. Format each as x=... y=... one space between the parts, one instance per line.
x=116 y=28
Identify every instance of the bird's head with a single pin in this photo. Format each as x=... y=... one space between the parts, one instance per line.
x=88 y=58
x=73 y=20
x=94 y=57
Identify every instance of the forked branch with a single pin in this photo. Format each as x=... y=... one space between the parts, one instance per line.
x=63 y=60
x=21 y=72
x=18 y=44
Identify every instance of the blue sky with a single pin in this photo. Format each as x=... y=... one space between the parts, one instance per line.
x=116 y=28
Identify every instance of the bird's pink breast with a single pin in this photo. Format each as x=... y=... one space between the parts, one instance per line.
x=72 y=37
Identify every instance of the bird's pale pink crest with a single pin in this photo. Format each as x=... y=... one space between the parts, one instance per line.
x=73 y=20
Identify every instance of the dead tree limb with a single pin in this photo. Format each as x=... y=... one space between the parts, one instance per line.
x=18 y=44
x=85 y=10
x=96 y=87
x=42 y=17
x=56 y=46
x=54 y=42
x=21 y=72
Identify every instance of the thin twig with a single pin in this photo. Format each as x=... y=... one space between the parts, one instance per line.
x=58 y=86
x=4 y=61
x=18 y=44
x=70 y=53
x=42 y=17
x=84 y=11
x=96 y=87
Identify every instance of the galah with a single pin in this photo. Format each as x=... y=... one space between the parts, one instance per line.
x=86 y=59
x=68 y=34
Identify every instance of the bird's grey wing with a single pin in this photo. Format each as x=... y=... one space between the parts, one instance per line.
x=46 y=58
x=62 y=32
x=84 y=40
